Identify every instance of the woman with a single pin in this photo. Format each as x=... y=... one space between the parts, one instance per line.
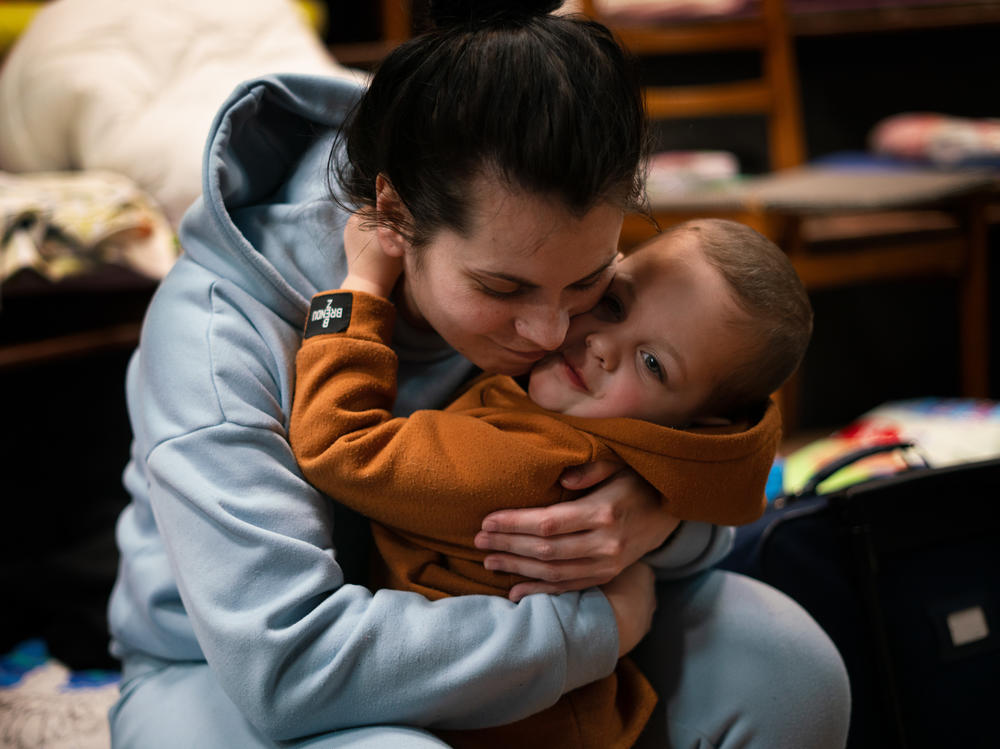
x=500 y=152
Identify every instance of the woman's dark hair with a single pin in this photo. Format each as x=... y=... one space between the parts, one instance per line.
x=546 y=103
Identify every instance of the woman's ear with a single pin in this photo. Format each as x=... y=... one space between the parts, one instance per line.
x=389 y=205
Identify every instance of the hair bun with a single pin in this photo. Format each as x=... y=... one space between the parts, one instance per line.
x=445 y=13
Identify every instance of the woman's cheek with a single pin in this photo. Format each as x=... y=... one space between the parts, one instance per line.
x=486 y=316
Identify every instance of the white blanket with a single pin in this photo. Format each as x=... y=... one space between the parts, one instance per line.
x=131 y=86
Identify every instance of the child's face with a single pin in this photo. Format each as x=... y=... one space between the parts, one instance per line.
x=653 y=348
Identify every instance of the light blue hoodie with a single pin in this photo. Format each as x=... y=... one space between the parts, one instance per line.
x=227 y=553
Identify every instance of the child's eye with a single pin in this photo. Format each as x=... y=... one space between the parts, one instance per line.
x=652 y=364
x=610 y=309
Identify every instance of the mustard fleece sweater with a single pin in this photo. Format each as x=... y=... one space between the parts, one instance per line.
x=427 y=480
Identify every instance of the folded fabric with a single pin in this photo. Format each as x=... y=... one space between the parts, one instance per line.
x=938 y=138
x=672 y=173
x=63 y=224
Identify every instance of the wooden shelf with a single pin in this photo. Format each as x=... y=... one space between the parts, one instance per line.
x=48 y=350
x=878 y=20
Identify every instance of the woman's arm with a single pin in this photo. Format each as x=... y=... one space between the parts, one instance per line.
x=228 y=544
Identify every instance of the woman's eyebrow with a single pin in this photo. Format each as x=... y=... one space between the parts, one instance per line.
x=530 y=285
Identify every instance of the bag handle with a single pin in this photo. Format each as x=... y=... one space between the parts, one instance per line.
x=826 y=471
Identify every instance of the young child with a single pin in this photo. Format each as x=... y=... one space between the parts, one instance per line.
x=698 y=328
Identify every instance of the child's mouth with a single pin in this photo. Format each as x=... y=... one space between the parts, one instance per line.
x=573 y=375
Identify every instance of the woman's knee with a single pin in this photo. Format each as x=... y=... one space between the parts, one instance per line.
x=739 y=663
x=791 y=667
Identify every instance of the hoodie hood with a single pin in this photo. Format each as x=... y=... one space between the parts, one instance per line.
x=265 y=219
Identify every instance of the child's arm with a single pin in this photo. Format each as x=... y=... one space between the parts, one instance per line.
x=349 y=445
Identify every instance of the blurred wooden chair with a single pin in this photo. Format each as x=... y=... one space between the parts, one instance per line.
x=395 y=25
x=772 y=93
x=839 y=226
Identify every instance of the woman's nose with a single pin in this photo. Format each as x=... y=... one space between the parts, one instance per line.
x=544 y=327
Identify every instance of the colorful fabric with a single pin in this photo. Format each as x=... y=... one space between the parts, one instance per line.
x=64 y=224
x=944 y=432
x=938 y=138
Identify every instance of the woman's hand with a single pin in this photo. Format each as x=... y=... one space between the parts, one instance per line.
x=582 y=542
x=633 y=599
x=369 y=268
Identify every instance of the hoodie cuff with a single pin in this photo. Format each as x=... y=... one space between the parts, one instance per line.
x=693 y=547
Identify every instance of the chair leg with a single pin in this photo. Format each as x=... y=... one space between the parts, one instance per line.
x=974 y=337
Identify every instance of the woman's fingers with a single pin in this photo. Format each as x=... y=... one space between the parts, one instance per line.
x=562 y=572
x=521 y=590
x=586 y=513
x=551 y=548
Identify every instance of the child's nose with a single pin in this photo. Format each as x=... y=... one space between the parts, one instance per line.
x=602 y=347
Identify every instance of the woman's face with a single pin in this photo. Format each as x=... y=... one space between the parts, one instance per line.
x=503 y=295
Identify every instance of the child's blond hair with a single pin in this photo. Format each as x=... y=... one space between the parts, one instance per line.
x=778 y=319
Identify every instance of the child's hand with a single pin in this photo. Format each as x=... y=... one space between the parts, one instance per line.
x=369 y=269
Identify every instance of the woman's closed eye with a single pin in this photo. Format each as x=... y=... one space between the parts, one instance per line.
x=588 y=283
x=501 y=290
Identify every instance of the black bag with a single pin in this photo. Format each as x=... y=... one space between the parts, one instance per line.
x=903 y=573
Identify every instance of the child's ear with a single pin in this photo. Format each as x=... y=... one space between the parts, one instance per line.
x=389 y=205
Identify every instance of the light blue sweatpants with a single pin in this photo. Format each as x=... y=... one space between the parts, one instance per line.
x=735 y=662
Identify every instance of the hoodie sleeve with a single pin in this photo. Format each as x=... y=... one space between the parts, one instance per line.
x=248 y=543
